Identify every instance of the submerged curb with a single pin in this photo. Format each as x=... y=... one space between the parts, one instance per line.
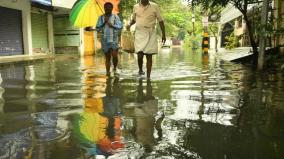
x=19 y=58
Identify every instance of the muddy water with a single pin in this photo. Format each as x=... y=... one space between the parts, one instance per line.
x=194 y=106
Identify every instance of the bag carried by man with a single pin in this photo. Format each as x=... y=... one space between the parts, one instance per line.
x=127 y=41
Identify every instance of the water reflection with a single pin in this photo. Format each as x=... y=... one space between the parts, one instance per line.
x=14 y=83
x=32 y=141
x=25 y=132
x=98 y=127
x=194 y=107
x=144 y=117
x=206 y=98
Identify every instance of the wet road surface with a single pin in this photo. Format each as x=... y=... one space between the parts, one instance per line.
x=194 y=106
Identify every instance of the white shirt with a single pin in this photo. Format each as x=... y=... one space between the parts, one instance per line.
x=146 y=16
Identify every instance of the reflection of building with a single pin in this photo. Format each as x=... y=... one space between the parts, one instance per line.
x=19 y=90
x=13 y=83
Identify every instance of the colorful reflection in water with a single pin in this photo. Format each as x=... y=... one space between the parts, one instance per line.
x=195 y=106
x=98 y=127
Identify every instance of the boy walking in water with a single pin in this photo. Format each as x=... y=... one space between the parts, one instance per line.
x=109 y=25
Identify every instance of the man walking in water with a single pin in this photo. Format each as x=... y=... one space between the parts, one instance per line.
x=145 y=15
x=109 y=25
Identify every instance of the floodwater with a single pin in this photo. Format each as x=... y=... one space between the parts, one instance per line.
x=193 y=107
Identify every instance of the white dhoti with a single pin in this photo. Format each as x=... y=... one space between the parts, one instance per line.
x=146 y=40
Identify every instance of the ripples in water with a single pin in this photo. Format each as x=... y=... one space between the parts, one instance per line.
x=194 y=107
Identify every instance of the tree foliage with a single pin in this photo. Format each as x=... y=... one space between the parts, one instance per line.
x=126 y=8
x=242 y=6
x=175 y=14
x=232 y=41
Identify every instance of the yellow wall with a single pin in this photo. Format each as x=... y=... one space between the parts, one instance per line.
x=89 y=46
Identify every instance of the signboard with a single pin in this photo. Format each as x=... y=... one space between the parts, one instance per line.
x=42 y=4
x=205 y=21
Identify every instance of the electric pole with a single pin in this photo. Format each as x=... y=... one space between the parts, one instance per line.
x=262 y=42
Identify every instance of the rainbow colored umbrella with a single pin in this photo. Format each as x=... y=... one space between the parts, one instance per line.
x=85 y=13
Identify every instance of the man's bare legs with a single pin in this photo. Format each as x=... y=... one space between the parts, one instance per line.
x=140 y=62
x=149 y=65
x=107 y=63
x=114 y=59
x=112 y=54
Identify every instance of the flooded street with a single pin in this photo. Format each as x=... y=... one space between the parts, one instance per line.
x=193 y=107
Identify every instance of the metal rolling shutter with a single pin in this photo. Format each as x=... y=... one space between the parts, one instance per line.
x=64 y=33
x=11 y=35
x=39 y=32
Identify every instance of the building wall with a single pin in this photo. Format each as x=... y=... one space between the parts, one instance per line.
x=279 y=23
x=24 y=6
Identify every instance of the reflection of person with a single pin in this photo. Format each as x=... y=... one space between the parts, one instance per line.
x=145 y=15
x=109 y=24
x=111 y=100
x=111 y=111
x=98 y=127
x=145 y=117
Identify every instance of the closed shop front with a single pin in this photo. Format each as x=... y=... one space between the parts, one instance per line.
x=11 y=35
x=66 y=38
x=39 y=32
